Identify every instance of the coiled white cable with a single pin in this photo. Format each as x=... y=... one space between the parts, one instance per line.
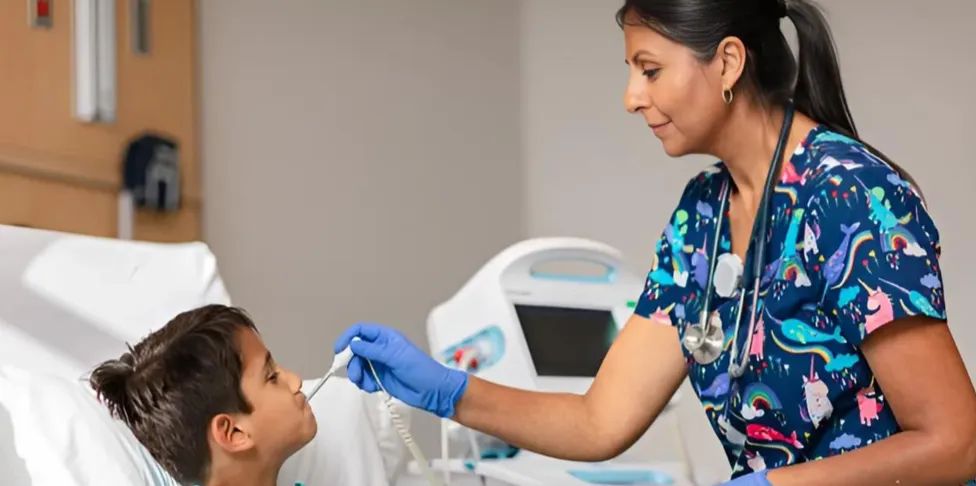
x=341 y=360
x=405 y=432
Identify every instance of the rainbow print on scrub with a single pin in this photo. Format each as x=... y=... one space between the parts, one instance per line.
x=851 y=249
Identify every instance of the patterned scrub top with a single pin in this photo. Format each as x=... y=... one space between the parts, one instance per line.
x=850 y=248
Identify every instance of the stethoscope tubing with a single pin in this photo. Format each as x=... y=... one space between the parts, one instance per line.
x=755 y=256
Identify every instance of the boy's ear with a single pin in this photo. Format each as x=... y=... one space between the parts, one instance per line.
x=231 y=433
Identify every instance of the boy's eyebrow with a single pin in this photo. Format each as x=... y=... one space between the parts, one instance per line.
x=268 y=361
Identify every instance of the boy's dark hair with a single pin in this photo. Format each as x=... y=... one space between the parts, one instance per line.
x=170 y=386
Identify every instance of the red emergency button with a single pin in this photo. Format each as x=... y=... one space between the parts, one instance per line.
x=40 y=13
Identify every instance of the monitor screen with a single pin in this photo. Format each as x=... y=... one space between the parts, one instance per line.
x=566 y=342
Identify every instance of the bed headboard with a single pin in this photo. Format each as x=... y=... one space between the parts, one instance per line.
x=71 y=301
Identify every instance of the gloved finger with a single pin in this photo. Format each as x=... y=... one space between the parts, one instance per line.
x=345 y=338
x=355 y=368
x=382 y=371
x=373 y=351
x=370 y=385
x=368 y=382
x=362 y=330
x=369 y=367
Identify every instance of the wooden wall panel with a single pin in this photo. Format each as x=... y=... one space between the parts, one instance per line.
x=27 y=201
x=156 y=92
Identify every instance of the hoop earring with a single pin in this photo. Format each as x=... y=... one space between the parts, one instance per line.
x=727 y=96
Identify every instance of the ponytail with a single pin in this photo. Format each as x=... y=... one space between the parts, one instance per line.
x=819 y=91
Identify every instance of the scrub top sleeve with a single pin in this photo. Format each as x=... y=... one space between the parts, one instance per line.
x=668 y=276
x=879 y=251
x=658 y=294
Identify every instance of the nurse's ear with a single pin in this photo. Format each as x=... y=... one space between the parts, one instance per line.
x=731 y=59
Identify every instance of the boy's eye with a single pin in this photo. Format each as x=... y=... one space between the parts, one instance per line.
x=274 y=377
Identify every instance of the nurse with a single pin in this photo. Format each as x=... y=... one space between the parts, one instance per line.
x=841 y=369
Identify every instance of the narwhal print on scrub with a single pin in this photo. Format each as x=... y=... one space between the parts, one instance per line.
x=828 y=279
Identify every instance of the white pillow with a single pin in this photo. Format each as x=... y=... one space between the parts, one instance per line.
x=60 y=435
x=64 y=437
x=71 y=301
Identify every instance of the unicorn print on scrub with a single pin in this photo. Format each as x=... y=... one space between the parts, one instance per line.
x=817 y=406
x=890 y=227
x=755 y=461
x=758 y=340
x=850 y=249
x=868 y=405
x=810 y=235
x=879 y=309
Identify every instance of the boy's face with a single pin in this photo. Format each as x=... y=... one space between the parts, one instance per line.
x=281 y=422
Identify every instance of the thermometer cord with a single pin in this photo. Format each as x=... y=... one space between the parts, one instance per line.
x=404 y=432
x=341 y=360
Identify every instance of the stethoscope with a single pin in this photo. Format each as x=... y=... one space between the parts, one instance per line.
x=706 y=339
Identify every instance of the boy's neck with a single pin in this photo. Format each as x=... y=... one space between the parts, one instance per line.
x=244 y=475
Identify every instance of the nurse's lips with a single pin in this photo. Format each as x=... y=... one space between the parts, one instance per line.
x=659 y=127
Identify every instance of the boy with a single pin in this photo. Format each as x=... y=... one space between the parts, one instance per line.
x=208 y=401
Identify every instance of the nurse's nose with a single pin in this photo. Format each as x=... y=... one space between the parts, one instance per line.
x=636 y=97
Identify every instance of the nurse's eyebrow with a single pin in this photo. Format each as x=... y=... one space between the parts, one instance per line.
x=638 y=54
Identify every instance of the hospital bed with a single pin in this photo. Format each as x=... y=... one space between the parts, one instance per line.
x=68 y=302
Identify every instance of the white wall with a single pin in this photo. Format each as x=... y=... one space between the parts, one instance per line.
x=363 y=158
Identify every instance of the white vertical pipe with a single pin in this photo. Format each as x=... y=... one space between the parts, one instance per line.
x=106 y=60
x=85 y=73
x=94 y=60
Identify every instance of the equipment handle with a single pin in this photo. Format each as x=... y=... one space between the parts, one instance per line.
x=569 y=259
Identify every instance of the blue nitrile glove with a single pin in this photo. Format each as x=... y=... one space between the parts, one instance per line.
x=757 y=478
x=407 y=373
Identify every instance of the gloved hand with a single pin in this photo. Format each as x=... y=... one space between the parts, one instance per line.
x=757 y=478
x=407 y=373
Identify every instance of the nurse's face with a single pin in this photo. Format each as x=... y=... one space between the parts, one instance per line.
x=679 y=95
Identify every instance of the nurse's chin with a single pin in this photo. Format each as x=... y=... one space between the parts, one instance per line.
x=675 y=146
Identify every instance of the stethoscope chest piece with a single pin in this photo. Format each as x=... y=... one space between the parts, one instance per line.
x=705 y=342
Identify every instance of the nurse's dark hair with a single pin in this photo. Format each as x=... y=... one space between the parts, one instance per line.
x=169 y=387
x=772 y=75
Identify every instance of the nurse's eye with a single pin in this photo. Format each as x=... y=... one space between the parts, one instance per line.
x=651 y=73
